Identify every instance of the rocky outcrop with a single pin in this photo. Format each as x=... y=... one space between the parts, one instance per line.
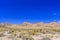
x=27 y=24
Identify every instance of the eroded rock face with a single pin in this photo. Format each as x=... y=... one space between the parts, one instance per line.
x=41 y=24
x=27 y=24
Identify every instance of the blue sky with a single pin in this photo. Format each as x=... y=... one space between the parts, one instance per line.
x=18 y=11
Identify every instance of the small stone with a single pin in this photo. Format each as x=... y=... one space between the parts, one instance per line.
x=45 y=38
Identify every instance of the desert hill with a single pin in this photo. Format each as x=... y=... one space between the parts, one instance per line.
x=27 y=24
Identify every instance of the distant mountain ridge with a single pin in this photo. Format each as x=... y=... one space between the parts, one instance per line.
x=27 y=24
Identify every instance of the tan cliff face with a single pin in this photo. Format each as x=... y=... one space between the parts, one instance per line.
x=27 y=24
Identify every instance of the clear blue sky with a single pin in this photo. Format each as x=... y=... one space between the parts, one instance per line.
x=18 y=11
